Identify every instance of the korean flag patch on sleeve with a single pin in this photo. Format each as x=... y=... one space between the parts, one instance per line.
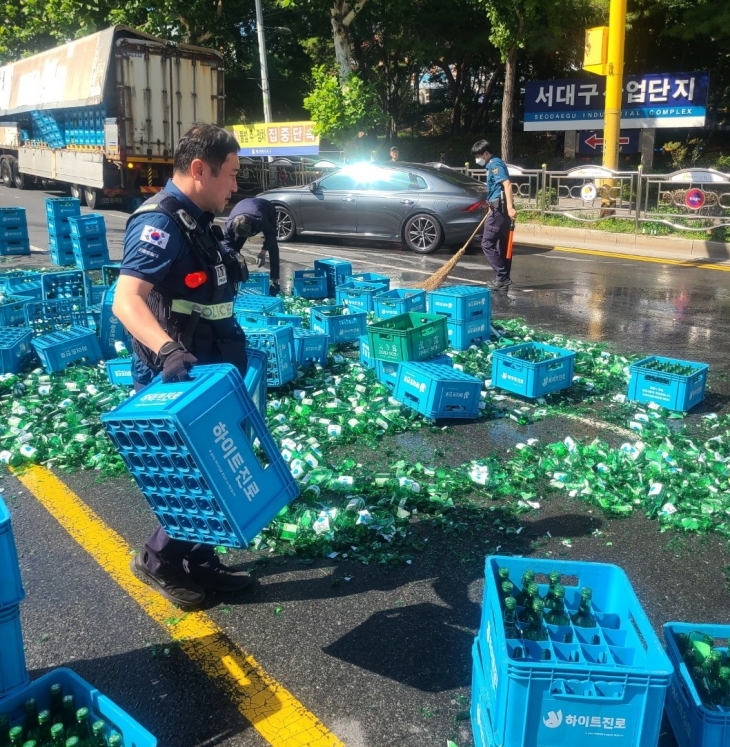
x=155 y=236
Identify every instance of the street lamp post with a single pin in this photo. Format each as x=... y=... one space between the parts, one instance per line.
x=264 y=66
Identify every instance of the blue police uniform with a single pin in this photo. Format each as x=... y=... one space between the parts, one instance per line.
x=194 y=283
x=263 y=215
x=497 y=224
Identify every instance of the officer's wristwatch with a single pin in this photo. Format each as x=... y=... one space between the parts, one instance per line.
x=169 y=347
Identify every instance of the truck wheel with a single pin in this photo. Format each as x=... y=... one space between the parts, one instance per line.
x=6 y=173
x=19 y=178
x=92 y=197
x=77 y=193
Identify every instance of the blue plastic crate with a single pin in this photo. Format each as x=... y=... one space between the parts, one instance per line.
x=256 y=302
x=673 y=391
x=464 y=334
x=247 y=318
x=59 y=226
x=63 y=259
x=548 y=693
x=438 y=391
x=258 y=282
x=310 y=347
x=65 y=284
x=14 y=233
x=90 y=253
x=28 y=286
x=399 y=301
x=310 y=283
x=371 y=278
x=15 y=348
x=255 y=379
x=61 y=251
x=11 y=585
x=386 y=372
x=339 y=327
x=186 y=446
x=693 y=723
x=89 y=225
x=277 y=319
x=12 y=216
x=100 y=707
x=278 y=344
x=532 y=379
x=13 y=672
x=357 y=296
x=12 y=310
x=42 y=317
x=338 y=270
x=62 y=207
x=366 y=360
x=111 y=330
x=57 y=349
x=95 y=293
x=461 y=303
x=110 y=274
x=119 y=371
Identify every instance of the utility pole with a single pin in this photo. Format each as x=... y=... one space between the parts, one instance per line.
x=264 y=66
x=614 y=83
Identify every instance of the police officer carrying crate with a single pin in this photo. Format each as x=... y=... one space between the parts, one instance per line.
x=249 y=217
x=175 y=296
x=501 y=213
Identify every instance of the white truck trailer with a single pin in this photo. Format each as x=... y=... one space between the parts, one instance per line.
x=104 y=113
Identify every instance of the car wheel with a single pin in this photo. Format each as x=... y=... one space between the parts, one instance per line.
x=286 y=229
x=92 y=197
x=77 y=193
x=423 y=234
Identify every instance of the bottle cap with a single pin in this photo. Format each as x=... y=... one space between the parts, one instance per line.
x=586 y=592
x=528 y=575
x=507 y=587
x=510 y=603
x=538 y=605
x=559 y=592
x=533 y=589
x=503 y=573
x=56 y=729
x=82 y=713
x=555 y=577
x=44 y=716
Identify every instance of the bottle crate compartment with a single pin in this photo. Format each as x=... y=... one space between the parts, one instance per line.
x=694 y=722
x=438 y=391
x=258 y=282
x=42 y=317
x=370 y=278
x=461 y=303
x=11 y=585
x=57 y=350
x=580 y=685
x=15 y=348
x=310 y=347
x=85 y=695
x=338 y=270
x=357 y=295
x=110 y=274
x=28 y=286
x=387 y=371
x=463 y=335
x=249 y=301
x=186 y=445
x=532 y=379
x=671 y=390
x=339 y=327
x=310 y=283
x=399 y=301
x=66 y=284
x=13 y=672
x=85 y=226
x=278 y=345
x=408 y=337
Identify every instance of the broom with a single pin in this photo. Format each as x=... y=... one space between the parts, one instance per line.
x=436 y=280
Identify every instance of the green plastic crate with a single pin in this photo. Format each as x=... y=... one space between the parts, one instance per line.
x=413 y=336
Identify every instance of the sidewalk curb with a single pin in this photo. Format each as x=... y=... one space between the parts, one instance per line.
x=640 y=244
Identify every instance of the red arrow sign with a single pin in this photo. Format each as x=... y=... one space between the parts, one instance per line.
x=594 y=141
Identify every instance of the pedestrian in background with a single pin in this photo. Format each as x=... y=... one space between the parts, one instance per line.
x=393 y=154
x=495 y=239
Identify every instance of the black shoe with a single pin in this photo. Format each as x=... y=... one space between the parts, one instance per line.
x=221 y=578
x=499 y=284
x=179 y=588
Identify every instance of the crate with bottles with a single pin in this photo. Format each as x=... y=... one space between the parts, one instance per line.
x=698 y=702
x=399 y=301
x=565 y=655
x=532 y=369
x=339 y=323
x=337 y=270
x=669 y=382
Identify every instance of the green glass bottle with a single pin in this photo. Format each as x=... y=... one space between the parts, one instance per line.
x=554 y=578
x=527 y=578
x=533 y=593
x=73 y=742
x=584 y=618
x=535 y=630
x=701 y=644
x=83 y=726
x=557 y=614
x=57 y=737
x=30 y=722
x=503 y=574
x=506 y=591
x=99 y=734
x=115 y=740
x=56 y=704
x=44 y=727
x=69 y=716
x=4 y=730
x=30 y=743
x=510 y=618
x=16 y=736
x=723 y=690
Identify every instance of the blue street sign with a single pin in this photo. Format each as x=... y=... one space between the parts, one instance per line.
x=652 y=100
x=590 y=142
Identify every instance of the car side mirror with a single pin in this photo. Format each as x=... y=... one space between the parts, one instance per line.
x=313 y=186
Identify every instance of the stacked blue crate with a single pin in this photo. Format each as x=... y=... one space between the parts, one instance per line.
x=310 y=346
x=310 y=283
x=399 y=301
x=119 y=371
x=47 y=129
x=338 y=270
x=88 y=240
x=13 y=232
x=15 y=349
x=278 y=344
x=111 y=330
x=58 y=212
x=198 y=467
x=468 y=313
x=386 y=372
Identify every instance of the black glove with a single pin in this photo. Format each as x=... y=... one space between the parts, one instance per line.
x=176 y=362
x=261 y=258
x=274 y=288
x=242 y=226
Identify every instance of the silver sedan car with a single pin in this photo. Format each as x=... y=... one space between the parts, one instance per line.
x=423 y=206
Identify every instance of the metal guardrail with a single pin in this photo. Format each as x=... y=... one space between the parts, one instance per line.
x=687 y=200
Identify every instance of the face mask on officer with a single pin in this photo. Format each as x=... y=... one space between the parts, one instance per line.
x=481 y=161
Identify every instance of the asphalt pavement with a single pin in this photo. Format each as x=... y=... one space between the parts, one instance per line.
x=381 y=655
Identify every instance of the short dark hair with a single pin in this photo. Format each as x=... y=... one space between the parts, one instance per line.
x=208 y=143
x=481 y=146
x=394 y=147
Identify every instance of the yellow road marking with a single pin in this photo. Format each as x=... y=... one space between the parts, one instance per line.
x=274 y=712
x=695 y=264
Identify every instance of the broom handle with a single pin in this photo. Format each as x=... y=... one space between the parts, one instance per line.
x=479 y=225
